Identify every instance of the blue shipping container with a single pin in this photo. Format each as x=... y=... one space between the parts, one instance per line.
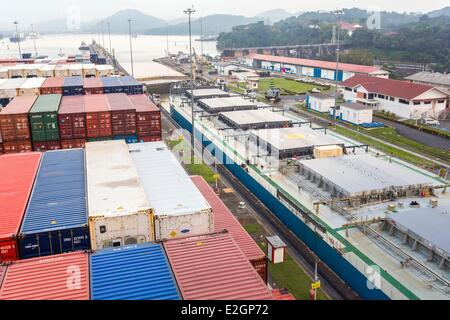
x=73 y=86
x=131 y=85
x=137 y=272
x=56 y=217
x=128 y=139
x=112 y=85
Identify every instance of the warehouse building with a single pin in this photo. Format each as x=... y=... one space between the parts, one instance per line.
x=291 y=142
x=254 y=119
x=226 y=104
x=405 y=99
x=364 y=178
x=320 y=102
x=314 y=68
x=207 y=93
x=435 y=79
x=355 y=113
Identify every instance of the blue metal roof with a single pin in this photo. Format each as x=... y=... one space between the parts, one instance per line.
x=73 y=82
x=58 y=200
x=111 y=81
x=137 y=272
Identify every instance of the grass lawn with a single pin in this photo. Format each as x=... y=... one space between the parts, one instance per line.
x=287 y=86
x=234 y=86
x=287 y=274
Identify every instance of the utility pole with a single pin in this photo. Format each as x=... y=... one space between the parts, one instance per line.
x=109 y=33
x=18 y=39
x=34 y=40
x=131 y=48
x=201 y=39
x=189 y=12
x=339 y=12
x=103 y=35
x=167 y=40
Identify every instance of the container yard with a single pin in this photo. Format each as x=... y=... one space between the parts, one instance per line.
x=138 y=272
x=44 y=118
x=56 y=217
x=180 y=209
x=213 y=267
x=119 y=212
x=18 y=173
x=98 y=117
x=340 y=198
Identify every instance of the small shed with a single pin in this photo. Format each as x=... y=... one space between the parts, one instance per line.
x=276 y=249
x=319 y=102
x=356 y=113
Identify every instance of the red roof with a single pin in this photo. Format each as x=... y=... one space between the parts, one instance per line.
x=213 y=267
x=96 y=103
x=349 y=26
x=19 y=105
x=60 y=277
x=142 y=103
x=17 y=174
x=118 y=102
x=225 y=220
x=53 y=82
x=394 y=88
x=317 y=63
x=72 y=104
x=283 y=294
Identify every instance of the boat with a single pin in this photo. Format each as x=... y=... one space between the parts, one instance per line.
x=207 y=38
x=84 y=47
x=17 y=37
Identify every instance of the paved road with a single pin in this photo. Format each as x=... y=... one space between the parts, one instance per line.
x=417 y=135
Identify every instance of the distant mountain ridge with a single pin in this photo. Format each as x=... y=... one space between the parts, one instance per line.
x=441 y=12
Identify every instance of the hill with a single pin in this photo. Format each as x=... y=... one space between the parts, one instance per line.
x=140 y=22
x=441 y=12
x=273 y=16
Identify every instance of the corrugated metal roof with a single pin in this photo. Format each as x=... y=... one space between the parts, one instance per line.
x=60 y=277
x=213 y=267
x=54 y=82
x=317 y=63
x=225 y=220
x=2 y=274
x=17 y=174
x=72 y=104
x=227 y=102
x=58 y=200
x=47 y=103
x=247 y=117
x=119 y=101
x=32 y=83
x=142 y=103
x=436 y=78
x=114 y=187
x=169 y=189
x=96 y=103
x=138 y=272
x=199 y=93
x=19 y=105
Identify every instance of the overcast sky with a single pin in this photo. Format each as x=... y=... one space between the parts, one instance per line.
x=29 y=11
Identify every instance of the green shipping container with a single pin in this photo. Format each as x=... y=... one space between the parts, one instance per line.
x=44 y=118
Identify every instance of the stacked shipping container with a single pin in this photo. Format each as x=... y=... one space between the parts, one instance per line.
x=148 y=118
x=73 y=86
x=44 y=122
x=53 y=86
x=123 y=115
x=14 y=125
x=72 y=122
x=56 y=217
x=119 y=213
x=98 y=117
x=93 y=86
x=17 y=174
x=139 y=272
x=225 y=220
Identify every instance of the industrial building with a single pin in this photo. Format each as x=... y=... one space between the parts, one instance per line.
x=314 y=68
x=226 y=104
x=320 y=102
x=255 y=119
x=364 y=178
x=207 y=93
x=435 y=79
x=355 y=113
x=405 y=99
x=291 y=142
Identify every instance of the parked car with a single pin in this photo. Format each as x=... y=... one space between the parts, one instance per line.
x=431 y=122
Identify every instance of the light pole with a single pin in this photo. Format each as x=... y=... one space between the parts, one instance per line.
x=131 y=48
x=189 y=12
x=339 y=12
x=109 y=34
x=103 y=35
x=34 y=40
x=167 y=40
x=18 y=39
x=201 y=39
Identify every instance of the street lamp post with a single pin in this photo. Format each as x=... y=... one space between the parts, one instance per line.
x=339 y=12
x=109 y=34
x=18 y=39
x=34 y=40
x=189 y=12
x=131 y=48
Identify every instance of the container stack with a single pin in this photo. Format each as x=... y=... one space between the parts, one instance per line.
x=98 y=118
x=72 y=122
x=123 y=117
x=148 y=119
x=53 y=86
x=73 y=86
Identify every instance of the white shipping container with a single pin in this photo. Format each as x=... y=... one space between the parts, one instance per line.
x=47 y=71
x=16 y=71
x=76 y=70
x=62 y=70
x=10 y=88
x=179 y=207
x=89 y=70
x=119 y=212
x=31 y=87
x=104 y=70
x=4 y=73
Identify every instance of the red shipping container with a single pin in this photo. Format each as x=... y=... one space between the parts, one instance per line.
x=72 y=118
x=123 y=114
x=73 y=143
x=98 y=116
x=21 y=146
x=1 y=144
x=225 y=220
x=14 y=124
x=61 y=277
x=213 y=267
x=43 y=146
x=92 y=86
x=53 y=86
x=148 y=116
x=17 y=174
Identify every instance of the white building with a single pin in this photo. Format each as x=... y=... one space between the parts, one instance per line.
x=319 y=102
x=225 y=68
x=405 y=99
x=276 y=249
x=355 y=113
